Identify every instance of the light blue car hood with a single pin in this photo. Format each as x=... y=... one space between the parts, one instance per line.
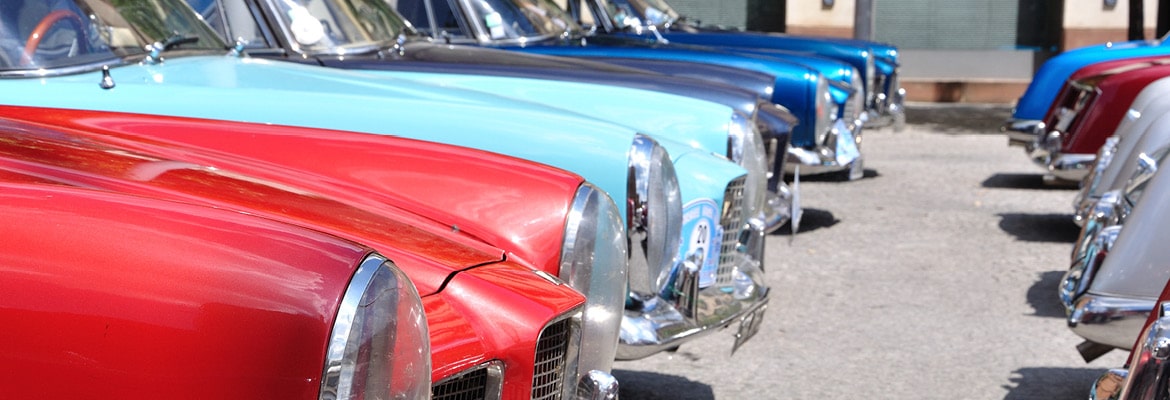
x=251 y=90
x=698 y=123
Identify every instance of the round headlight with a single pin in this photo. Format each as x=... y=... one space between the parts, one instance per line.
x=654 y=220
x=855 y=105
x=826 y=110
x=379 y=347
x=745 y=146
x=870 y=94
x=594 y=262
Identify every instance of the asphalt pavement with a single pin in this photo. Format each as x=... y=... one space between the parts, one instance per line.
x=934 y=277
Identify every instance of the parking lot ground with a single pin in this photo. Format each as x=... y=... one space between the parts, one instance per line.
x=934 y=277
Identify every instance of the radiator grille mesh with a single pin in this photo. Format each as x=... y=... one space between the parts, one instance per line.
x=732 y=222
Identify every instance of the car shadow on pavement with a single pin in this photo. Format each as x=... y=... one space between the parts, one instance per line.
x=1025 y=181
x=1052 y=383
x=811 y=220
x=1042 y=295
x=641 y=385
x=834 y=177
x=1055 y=228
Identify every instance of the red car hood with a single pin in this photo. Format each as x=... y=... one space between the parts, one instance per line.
x=513 y=204
x=47 y=148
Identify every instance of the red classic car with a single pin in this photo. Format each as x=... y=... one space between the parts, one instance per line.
x=107 y=295
x=508 y=228
x=1088 y=110
x=1146 y=372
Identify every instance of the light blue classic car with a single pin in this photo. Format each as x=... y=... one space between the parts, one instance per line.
x=825 y=142
x=1027 y=118
x=709 y=116
x=657 y=20
x=691 y=244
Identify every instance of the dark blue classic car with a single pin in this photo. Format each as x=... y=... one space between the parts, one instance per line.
x=829 y=108
x=655 y=19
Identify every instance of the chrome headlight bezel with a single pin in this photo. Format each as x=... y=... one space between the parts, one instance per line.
x=594 y=261
x=826 y=111
x=870 y=94
x=379 y=345
x=653 y=215
x=745 y=147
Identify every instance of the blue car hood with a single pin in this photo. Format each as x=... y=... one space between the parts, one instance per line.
x=1050 y=78
x=794 y=88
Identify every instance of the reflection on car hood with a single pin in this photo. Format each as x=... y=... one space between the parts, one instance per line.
x=427 y=250
x=285 y=93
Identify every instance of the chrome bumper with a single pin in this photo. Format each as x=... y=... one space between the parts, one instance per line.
x=888 y=111
x=1023 y=132
x=597 y=385
x=1112 y=321
x=1071 y=167
x=654 y=324
x=1149 y=368
x=780 y=206
x=840 y=152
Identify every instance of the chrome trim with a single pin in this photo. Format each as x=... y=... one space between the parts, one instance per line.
x=1108 y=386
x=1149 y=369
x=1071 y=167
x=346 y=313
x=564 y=381
x=598 y=269
x=1113 y=321
x=646 y=275
x=1087 y=195
x=1023 y=132
x=597 y=385
x=1089 y=253
x=656 y=324
x=70 y=70
x=779 y=207
x=493 y=387
x=828 y=158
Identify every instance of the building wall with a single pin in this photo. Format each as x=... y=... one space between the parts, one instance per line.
x=1089 y=22
x=812 y=17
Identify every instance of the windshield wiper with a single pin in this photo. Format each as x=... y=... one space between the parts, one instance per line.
x=154 y=50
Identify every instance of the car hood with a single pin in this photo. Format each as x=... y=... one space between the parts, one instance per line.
x=425 y=57
x=793 y=88
x=428 y=250
x=263 y=91
x=103 y=283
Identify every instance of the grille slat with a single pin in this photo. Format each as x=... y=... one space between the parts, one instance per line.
x=732 y=222
x=471 y=385
x=549 y=373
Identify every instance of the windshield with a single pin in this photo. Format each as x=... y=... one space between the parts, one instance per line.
x=514 y=19
x=638 y=13
x=49 y=34
x=332 y=26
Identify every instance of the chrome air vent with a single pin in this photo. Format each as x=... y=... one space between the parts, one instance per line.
x=732 y=221
x=483 y=382
x=548 y=376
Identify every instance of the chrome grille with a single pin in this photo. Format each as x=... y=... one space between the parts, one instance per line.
x=471 y=385
x=548 y=375
x=732 y=222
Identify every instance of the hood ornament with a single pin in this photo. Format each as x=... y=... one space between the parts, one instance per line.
x=107 y=81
